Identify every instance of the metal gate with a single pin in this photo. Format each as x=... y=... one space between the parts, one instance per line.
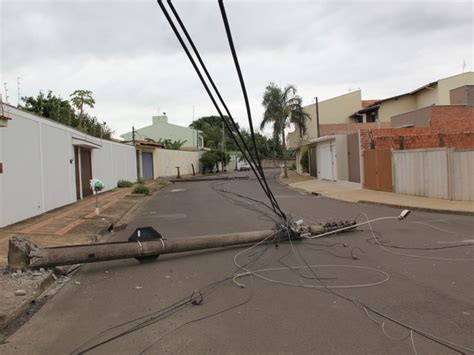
x=353 y=156
x=378 y=170
x=147 y=163
x=327 y=161
x=83 y=172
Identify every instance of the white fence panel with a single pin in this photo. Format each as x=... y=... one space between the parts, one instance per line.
x=165 y=162
x=113 y=162
x=440 y=173
x=462 y=172
x=421 y=172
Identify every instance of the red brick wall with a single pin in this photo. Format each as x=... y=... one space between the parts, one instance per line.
x=416 y=138
x=454 y=118
x=451 y=126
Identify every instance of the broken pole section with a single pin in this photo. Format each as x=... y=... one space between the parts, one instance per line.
x=23 y=253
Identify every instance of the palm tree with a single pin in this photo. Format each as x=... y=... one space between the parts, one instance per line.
x=281 y=108
x=79 y=98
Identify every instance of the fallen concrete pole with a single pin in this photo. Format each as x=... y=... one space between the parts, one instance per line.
x=211 y=178
x=24 y=254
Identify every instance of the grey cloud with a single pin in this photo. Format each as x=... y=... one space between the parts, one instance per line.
x=126 y=53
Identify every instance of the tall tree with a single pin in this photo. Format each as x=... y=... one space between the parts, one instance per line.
x=283 y=106
x=50 y=106
x=57 y=109
x=79 y=98
x=211 y=127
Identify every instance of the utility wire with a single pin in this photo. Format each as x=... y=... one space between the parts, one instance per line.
x=257 y=163
x=264 y=186
x=242 y=85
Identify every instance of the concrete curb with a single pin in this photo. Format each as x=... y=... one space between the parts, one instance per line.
x=376 y=203
x=416 y=208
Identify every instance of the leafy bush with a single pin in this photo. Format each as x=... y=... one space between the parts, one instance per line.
x=141 y=189
x=124 y=183
x=212 y=158
x=141 y=181
x=305 y=161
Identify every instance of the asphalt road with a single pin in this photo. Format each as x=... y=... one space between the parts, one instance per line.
x=431 y=290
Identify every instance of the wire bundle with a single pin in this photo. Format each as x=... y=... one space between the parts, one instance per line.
x=252 y=158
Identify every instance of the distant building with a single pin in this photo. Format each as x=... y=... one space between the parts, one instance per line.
x=444 y=108
x=162 y=130
x=453 y=90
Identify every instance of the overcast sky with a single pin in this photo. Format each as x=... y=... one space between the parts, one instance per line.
x=125 y=52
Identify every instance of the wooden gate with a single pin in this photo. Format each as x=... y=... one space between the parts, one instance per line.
x=378 y=170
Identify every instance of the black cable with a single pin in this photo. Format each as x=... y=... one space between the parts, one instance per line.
x=244 y=89
x=258 y=163
x=201 y=62
x=165 y=312
x=180 y=39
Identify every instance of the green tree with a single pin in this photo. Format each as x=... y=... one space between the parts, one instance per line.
x=212 y=158
x=79 y=98
x=50 y=106
x=172 y=145
x=282 y=106
x=60 y=110
x=304 y=161
x=211 y=127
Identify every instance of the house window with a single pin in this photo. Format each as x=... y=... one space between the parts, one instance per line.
x=372 y=116
x=358 y=118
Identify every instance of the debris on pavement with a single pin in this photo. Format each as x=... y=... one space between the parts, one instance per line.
x=20 y=292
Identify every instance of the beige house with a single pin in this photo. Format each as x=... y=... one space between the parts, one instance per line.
x=334 y=119
x=435 y=93
x=348 y=113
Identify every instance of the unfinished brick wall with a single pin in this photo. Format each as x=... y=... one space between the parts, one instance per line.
x=451 y=126
x=415 y=138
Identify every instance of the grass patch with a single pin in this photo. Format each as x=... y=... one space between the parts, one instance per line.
x=141 y=189
x=124 y=183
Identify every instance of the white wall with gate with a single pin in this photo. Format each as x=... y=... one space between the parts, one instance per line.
x=440 y=173
x=165 y=162
x=37 y=157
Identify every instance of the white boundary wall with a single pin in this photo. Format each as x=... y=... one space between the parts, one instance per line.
x=165 y=162
x=39 y=168
x=439 y=172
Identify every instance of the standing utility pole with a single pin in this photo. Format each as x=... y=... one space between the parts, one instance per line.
x=6 y=92
x=317 y=115
x=19 y=96
x=136 y=152
x=223 y=148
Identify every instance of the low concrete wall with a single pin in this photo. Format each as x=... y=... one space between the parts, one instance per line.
x=270 y=163
x=165 y=162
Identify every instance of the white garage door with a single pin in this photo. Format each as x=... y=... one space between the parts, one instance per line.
x=327 y=161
